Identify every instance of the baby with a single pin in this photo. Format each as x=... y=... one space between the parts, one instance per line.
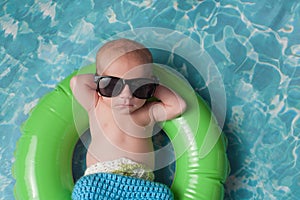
x=120 y=117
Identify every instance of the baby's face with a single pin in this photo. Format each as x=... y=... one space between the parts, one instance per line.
x=126 y=68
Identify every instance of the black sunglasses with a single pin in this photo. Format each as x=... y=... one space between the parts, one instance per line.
x=110 y=86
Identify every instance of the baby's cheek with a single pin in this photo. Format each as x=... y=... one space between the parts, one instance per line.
x=107 y=101
x=139 y=103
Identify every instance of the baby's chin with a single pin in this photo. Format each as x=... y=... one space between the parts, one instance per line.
x=127 y=107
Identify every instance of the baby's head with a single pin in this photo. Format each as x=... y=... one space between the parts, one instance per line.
x=125 y=49
x=130 y=61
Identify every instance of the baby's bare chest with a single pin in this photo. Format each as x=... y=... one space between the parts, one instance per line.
x=118 y=127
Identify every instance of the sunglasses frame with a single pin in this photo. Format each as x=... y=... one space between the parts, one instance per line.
x=125 y=82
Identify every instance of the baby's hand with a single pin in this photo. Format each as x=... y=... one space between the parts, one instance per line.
x=170 y=106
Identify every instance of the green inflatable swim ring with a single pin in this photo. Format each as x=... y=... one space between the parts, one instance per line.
x=43 y=165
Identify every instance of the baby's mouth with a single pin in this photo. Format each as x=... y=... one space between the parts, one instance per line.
x=126 y=104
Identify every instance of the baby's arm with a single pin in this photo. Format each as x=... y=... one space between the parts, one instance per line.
x=84 y=90
x=171 y=104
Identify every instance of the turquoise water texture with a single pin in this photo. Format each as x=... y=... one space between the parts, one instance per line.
x=255 y=45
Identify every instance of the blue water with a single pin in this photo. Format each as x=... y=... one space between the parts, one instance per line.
x=255 y=45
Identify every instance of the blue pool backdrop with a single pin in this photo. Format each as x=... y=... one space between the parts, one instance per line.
x=255 y=45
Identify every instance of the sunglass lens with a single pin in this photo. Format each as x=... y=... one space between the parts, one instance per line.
x=145 y=91
x=110 y=86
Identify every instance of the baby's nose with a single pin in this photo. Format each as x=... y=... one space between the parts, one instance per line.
x=126 y=93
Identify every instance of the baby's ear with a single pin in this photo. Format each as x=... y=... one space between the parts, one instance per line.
x=98 y=96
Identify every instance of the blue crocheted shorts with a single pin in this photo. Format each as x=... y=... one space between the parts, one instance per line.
x=114 y=186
